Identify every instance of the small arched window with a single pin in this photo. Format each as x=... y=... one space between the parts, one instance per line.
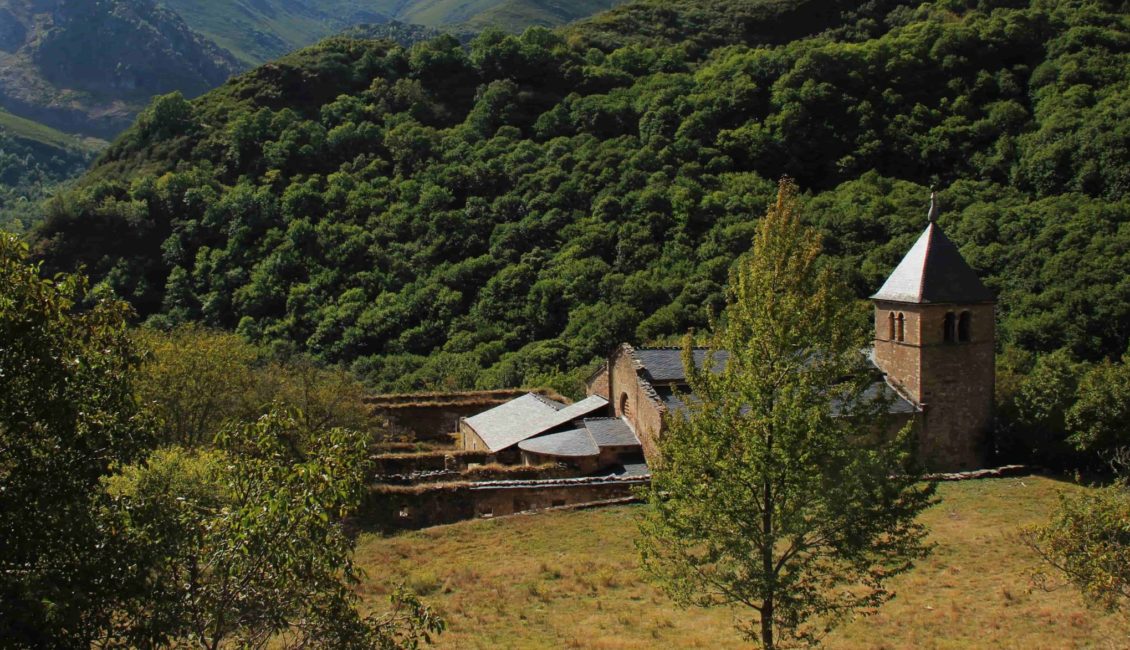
x=965 y=327
x=901 y=327
x=624 y=410
x=949 y=328
x=891 y=326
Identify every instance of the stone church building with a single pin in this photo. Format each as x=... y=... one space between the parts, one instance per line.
x=933 y=351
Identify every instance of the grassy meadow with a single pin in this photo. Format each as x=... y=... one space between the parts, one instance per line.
x=571 y=580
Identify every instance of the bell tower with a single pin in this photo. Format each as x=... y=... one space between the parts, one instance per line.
x=934 y=338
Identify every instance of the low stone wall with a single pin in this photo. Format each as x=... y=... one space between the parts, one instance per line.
x=479 y=473
x=391 y=508
x=428 y=461
x=430 y=417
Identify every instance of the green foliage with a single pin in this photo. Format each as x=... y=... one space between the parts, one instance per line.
x=775 y=491
x=1088 y=542
x=67 y=419
x=1033 y=402
x=195 y=381
x=34 y=161
x=1100 y=417
x=245 y=545
x=440 y=218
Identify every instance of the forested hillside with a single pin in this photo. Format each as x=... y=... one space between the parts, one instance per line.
x=34 y=159
x=437 y=217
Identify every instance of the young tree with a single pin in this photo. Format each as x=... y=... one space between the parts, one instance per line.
x=780 y=488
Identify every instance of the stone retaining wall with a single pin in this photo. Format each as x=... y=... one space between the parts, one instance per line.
x=391 y=508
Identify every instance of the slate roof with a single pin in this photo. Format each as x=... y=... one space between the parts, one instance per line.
x=527 y=416
x=880 y=389
x=933 y=272
x=574 y=443
x=665 y=365
x=611 y=432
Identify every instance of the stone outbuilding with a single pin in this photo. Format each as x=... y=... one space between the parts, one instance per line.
x=536 y=430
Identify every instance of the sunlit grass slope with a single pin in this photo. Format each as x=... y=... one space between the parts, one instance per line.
x=45 y=135
x=571 y=580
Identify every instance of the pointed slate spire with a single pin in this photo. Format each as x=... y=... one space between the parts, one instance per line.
x=934 y=271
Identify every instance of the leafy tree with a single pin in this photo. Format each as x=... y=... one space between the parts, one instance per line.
x=775 y=491
x=1087 y=541
x=194 y=381
x=1100 y=418
x=245 y=545
x=67 y=418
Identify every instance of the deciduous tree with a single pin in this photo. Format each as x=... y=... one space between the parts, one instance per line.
x=779 y=488
x=67 y=418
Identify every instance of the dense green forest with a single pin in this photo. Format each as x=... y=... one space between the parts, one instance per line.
x=34 y=159
x=503 y=214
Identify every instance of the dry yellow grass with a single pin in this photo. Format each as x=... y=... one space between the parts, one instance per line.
x=571 y=580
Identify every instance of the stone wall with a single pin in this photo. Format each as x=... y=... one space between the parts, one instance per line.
x=633 y=398
x=952 y=381
x=400 y=464
x=390 y=508
x=598 y=384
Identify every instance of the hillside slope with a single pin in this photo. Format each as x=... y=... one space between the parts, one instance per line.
x=86 y=67
x=34 y=159
x=440 y=219
x=260 y=30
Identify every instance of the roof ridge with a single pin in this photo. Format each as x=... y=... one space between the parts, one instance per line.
x=556 y=406
x=931 y=230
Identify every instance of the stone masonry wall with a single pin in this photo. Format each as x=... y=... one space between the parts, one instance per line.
x=627 y=389
x=953 y=381
x=391 y=508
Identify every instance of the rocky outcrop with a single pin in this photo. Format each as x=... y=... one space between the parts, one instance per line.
x=88 y=66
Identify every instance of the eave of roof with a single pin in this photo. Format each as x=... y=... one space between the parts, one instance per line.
x=574 y=443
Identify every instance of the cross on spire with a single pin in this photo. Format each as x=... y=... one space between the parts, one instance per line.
x=933 y=216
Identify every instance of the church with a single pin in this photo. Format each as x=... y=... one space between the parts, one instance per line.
x=933 y=351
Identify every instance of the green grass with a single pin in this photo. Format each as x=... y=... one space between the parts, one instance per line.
x=45 y=135
x=571 y=580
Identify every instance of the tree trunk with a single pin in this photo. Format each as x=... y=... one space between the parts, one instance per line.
x=767 y=624
x=767 y=543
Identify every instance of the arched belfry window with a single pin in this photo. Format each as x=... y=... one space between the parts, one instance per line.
x=900 y=334
x=965 y=327
x=624 y=410
x=891 y=326
x=949 y=328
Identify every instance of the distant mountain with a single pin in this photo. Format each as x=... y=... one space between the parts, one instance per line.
x=87 y=66
x=260 y=30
